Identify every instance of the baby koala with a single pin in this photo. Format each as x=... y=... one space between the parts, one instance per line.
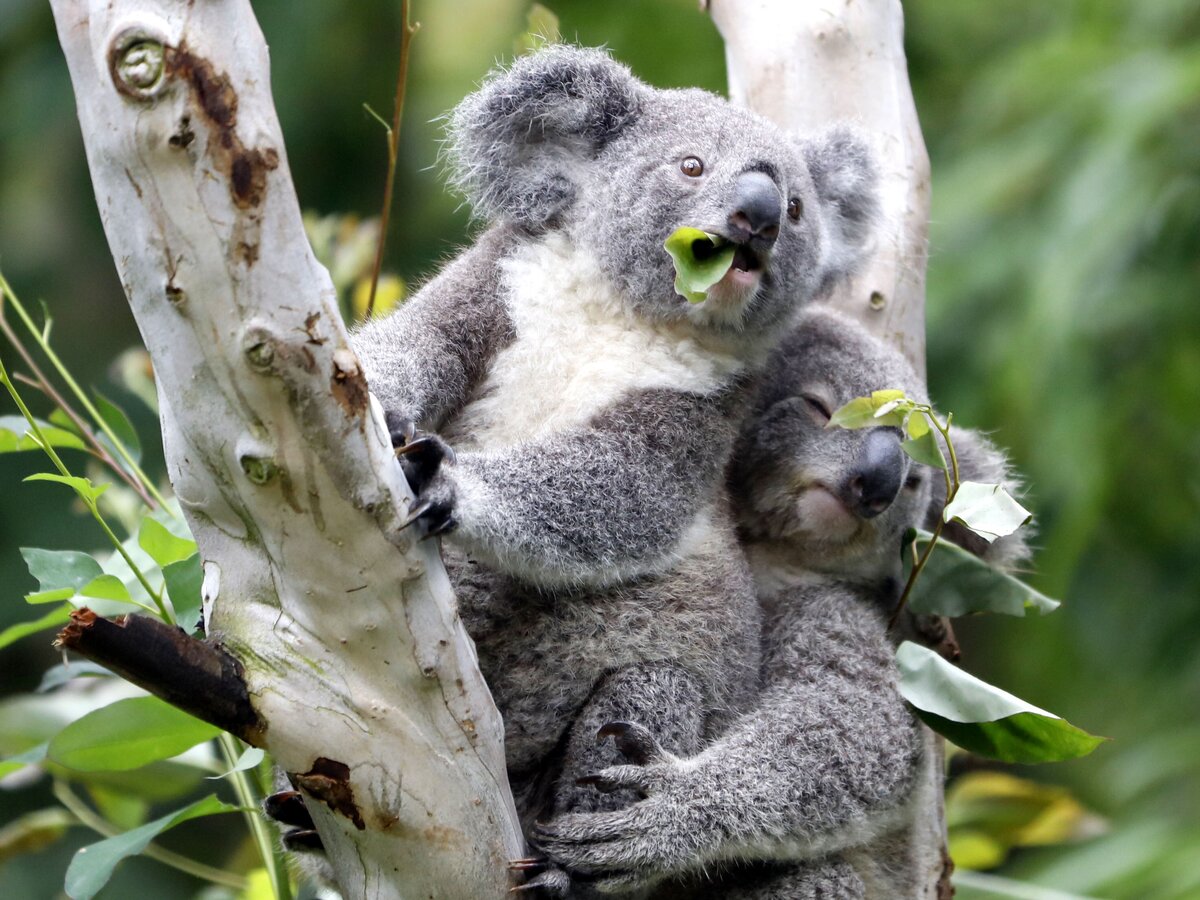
x=810 y=794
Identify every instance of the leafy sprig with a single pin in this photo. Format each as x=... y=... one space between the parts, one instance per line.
x=969 y=712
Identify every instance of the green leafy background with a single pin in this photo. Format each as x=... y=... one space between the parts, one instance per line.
x=1064 y=313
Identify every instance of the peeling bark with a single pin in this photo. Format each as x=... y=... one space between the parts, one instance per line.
x=356 y=670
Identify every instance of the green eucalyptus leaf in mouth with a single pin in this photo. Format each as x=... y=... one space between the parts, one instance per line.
x=701 y=260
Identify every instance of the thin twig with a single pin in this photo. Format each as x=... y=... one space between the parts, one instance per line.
x=42 y=383
x=952 y=484
x=407 y=31
x=87 y=404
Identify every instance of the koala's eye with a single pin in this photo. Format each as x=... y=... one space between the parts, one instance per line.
x=912 y=482
x=817 y=408
x=795 y=209
x=691 y=167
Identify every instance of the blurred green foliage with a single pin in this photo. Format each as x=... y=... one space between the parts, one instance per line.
x=1064 y=313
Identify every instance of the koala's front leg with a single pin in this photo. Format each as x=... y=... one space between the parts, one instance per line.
x=603 y=502
x=423 y=360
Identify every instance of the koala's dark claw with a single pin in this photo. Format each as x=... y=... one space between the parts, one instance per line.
x=634 y=741
x=415 y=512
x=421 y=458
x=554 y=882
x=400 y=428
x=445 y=526
x=529 y=864
x=305 y=839
x=288 y=807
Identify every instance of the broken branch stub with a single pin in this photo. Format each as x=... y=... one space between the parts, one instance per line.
x=351 y=651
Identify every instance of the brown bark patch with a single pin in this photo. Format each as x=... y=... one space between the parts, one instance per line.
x=217 y=102
x=349 y=388
x=945 y=888
x=329 y=781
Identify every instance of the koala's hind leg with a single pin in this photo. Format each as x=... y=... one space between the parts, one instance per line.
x=663 y=697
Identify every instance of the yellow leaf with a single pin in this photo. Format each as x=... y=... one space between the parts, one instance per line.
x=391 y=291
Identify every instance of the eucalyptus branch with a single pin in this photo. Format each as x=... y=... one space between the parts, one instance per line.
x=89 y=502
x=407 y=30
x=44 y=344
x=87 y=817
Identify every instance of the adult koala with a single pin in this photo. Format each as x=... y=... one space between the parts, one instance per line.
x=592 y=409
x=817 y=787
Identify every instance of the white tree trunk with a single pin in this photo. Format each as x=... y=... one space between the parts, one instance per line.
x=353 y=653
x=808 y=64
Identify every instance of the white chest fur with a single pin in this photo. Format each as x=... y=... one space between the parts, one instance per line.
x=578 y=349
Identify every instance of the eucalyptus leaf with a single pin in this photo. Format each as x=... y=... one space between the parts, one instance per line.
x=127 y=734
x=886 y=407
x=982 y=718
x=164 y=548
x=33 y=755
x=106 y=587
x=925 y=449
x=58 y=616
x=250 y=758
x=60 y=674
x=858 y=413
x=917 y=424
x=59 y=570
x=956 y=582
x=701 y=260
x=118 y=422
x=987 y=509
x=184 y=579
x=82 y=486
x=93 y=865
x=16 y=434
x=63 y=421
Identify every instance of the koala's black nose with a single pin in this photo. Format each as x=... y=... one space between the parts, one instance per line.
x=875 y=479
x=757 y=206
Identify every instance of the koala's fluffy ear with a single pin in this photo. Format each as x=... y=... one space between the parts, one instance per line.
x=981 y=460
x=844 y=174
x=515 y=143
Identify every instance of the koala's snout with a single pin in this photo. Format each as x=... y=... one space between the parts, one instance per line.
x=757 y=207
x=875 y=479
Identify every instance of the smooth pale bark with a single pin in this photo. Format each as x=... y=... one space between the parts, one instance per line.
x=808 y=64
x=345 y=628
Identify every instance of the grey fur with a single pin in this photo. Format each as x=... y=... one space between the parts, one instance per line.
x=822 y=772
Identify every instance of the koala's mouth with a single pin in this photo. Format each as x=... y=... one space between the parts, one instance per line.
x=746 y=260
